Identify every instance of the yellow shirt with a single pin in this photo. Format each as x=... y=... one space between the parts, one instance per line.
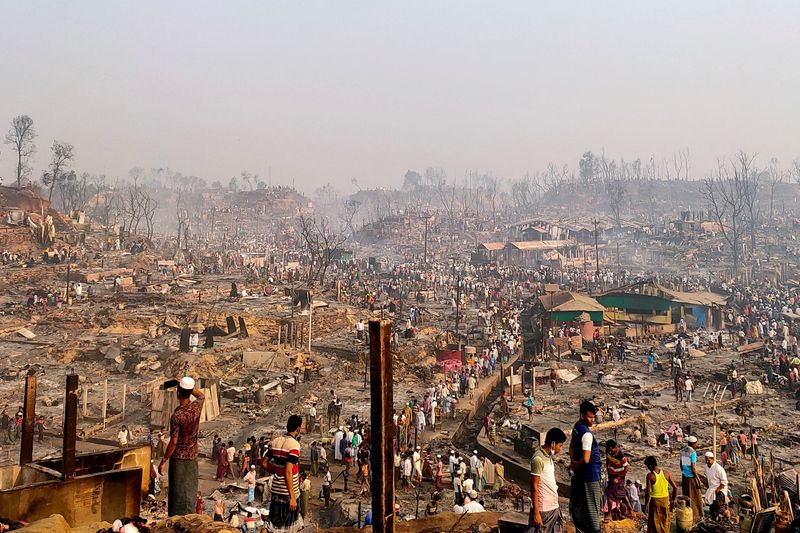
x=660 y=488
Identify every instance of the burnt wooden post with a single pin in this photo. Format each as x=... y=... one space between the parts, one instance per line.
x=184 y=344
x=28 y=420
x=70 y=428
x=382 y=425
x=243 y=333
x=231 y=323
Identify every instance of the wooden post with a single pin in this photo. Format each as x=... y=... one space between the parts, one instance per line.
x=105 y=401
x=310 y=307
x=280 y=327
x=124 y=394
x=86 y=399
x=382 y=425
x=70 y=428
x=714 y=422
x=28 y=421
x=511 y=380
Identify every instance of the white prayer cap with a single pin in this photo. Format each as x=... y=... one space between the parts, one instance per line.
x=418 y=447
x=710 y=454
x=187 y=383
x=475 y=452
x=473 y=494
x=691 y=439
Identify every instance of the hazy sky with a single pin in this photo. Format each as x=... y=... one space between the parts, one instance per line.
x=330 y=90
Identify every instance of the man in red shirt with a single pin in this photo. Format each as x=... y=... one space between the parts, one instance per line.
x=182 y=449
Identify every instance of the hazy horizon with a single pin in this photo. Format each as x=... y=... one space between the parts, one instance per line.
x=321 y=93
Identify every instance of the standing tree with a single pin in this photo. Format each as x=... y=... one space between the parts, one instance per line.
x=775 y=176
x=20 y=136
x=588 y=167
x=321 y=241
x=63 y=154
x=751 y=179
x=725 y=193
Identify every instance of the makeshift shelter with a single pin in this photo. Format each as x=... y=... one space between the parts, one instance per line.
x=648 y=302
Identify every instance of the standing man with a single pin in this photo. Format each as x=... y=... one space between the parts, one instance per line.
x=545 y=516
x=689 y=385
x=690 y=479
x=586 y=498
x=658 y=499
x=283 y=460
x=717 y=494
x=182 y=449
x=250 y=479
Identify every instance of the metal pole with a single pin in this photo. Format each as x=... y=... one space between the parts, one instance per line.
x=105 y=401
x=534 y=383
x=511 y=379
x=425 y=253
x=381 y=422
x=124 y=394
x=28 y=420
x=70 y=428
x=86 y=399
x=596 y=250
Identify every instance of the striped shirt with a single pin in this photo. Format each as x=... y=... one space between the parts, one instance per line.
x=284 y=453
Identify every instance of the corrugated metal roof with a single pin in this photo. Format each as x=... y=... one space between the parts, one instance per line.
x=493 y=246
x=570 y=301
x=541 y=245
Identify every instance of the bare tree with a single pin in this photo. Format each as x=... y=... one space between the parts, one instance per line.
x=21 y=137
x=63 y=154
x=751 y=179
x=436 y=178
x=724 y=192
x=775 y=176
x=681 y=161
x=149 y=207
x=491 y=194
x=321 y=242
x=615 y=197
x=104 y=201
x=614 y=186
x=795 y=170
x=351 y=208
x=76 y=191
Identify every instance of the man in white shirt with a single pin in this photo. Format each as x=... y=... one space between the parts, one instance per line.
x=337 y=439
x=407 y=469
x=122 y=437
x=417 y=457
x=474 y=464
x=467 y=485
x=471 y=504
x=312 y=418
x=453 y=462
x=545 y=515
x=250 y=479
x=230 y=451
x=717 y=494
